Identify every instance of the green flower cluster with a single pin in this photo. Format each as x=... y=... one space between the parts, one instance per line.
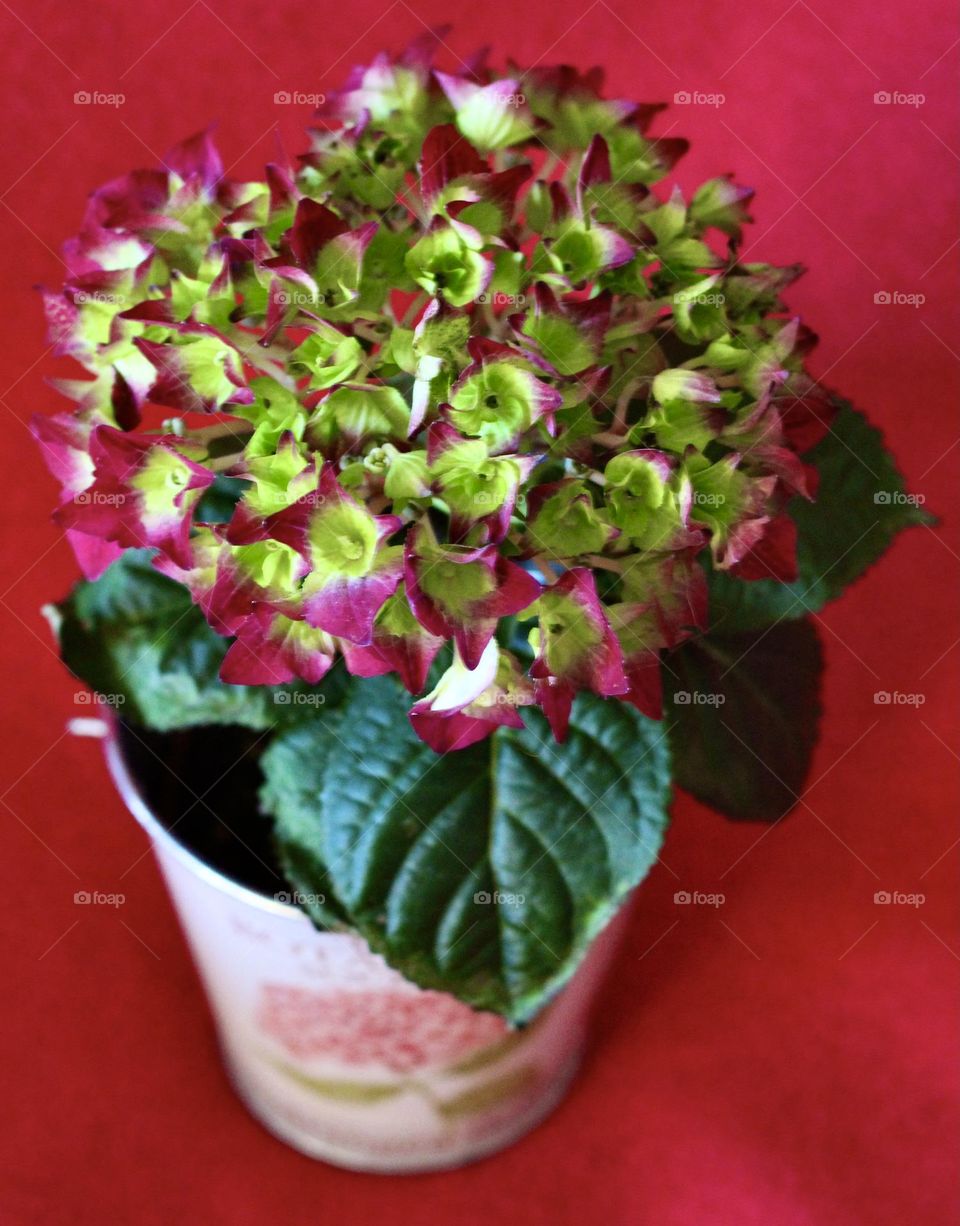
x=478 y=374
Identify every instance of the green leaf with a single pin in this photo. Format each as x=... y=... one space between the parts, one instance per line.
x=284 y=792
x=860 y=507
x=218 y=503
x=487 y=872
x=743 y=710
x=129 y=591
x=136 y=638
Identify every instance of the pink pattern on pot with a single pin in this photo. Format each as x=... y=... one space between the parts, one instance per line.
x=399 y=1030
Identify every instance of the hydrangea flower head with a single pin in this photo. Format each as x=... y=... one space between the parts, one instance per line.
x=491 y=390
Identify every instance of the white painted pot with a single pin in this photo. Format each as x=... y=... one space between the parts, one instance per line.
x=339 y=1055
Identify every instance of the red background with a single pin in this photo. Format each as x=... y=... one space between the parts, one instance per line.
x=787 y=1058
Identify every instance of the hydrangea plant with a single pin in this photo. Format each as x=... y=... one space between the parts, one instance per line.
x=470 y=461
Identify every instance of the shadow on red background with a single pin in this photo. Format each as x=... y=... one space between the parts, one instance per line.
x=788 y=1059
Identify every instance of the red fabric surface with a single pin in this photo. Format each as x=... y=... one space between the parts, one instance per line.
x=789 y=1057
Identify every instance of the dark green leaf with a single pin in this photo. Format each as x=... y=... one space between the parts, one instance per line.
x=219 y=501
x=860 y=507
x=129 y=591
x=289 y=765
x=743 y=709
x=486 y=872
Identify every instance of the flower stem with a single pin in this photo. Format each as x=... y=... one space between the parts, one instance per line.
x=223 y=463
x=223 y=429
x=601 y=563
x=608 y=438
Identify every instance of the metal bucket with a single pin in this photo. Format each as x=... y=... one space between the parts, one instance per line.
x=339 y=1055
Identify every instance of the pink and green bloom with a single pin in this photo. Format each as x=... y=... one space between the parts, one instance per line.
x=142 y=493
x=400 y=645
x=577 y=648
x=466 y=704
x=444 y=265
x=271 y=648
x=500 y=397
x=474 y=364
x=461 y=592
x=479 y=488
x=350 y=569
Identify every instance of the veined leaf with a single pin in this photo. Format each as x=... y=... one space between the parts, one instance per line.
x=743 y=709
x=860 y=507
x=485 y=872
